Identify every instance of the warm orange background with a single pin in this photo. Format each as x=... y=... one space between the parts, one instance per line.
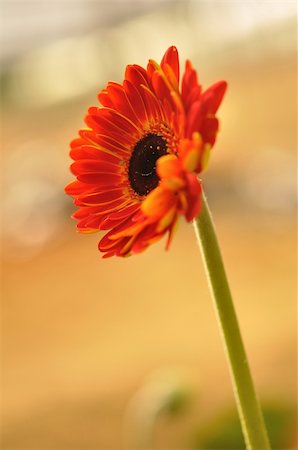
x=80 y=335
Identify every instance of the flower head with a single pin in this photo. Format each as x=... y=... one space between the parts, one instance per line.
x=137 y=163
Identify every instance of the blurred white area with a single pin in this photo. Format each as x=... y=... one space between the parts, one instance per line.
x=32 y=205
x=29 y=24
x=166 y=392
x=62 y=50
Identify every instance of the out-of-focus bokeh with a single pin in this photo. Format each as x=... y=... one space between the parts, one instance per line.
x=126 y=353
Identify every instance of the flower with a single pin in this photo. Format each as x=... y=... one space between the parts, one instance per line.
x=137 y=163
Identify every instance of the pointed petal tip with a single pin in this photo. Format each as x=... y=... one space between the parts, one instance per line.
x=221 y=86
x=170 y=51
x=171 y=58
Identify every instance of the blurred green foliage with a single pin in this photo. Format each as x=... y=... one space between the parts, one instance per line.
x=224 y=432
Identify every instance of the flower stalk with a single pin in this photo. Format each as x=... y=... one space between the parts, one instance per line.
x=249 y=409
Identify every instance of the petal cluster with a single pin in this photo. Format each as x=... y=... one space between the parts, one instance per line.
x=137 y=162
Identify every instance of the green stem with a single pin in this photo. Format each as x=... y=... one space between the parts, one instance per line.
x=249 y=410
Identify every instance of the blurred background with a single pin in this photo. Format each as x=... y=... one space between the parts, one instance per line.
x=126 y=353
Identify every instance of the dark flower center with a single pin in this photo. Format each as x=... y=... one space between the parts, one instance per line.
x=142 y=165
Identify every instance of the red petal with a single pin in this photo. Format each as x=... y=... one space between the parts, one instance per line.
x=109 y=122
x=123 y=122
x=116 y=218
x=78 y=142
x=107 y=143
x=153 y=106
x=76 y=188
x=209 y=129
x=194 y=196
x=171 y=58
x=161 y=89
x=92 y=166
x=195 y=119
x=136 y=100
x=121 y=102
x=99 y=198
x=90 y=223
x=143 y=239
x=158 y=202
x=189 y=84
x=214 y=95
x=130 y=210
x=101 y=180
x=106 y=208
x=105 y=99
x=95 y=153
x=136 y=75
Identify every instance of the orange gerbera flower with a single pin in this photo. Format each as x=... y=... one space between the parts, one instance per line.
x=137 y=162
